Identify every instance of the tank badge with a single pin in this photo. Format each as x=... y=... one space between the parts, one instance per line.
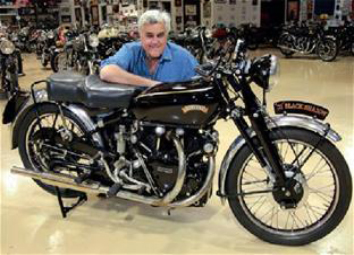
x=194 y=107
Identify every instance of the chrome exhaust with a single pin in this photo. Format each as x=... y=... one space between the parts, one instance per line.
x=295 y=50
x=65 y=181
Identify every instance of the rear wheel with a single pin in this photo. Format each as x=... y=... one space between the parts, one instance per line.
x=314 y=203
x=328 y=50
x=45 y=149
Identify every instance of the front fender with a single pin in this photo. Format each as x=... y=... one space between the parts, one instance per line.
x=42 y=98
x=301 y=122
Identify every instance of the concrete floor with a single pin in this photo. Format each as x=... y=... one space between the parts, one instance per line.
x=31 y=222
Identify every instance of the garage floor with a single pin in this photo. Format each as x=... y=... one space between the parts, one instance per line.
x=31 y=222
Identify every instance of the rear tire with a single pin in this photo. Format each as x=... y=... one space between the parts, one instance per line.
x=30 y=149
x=328 y=50
x=311 y=220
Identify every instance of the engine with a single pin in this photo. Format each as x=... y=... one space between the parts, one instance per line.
x=163 y=161
x=148 y=160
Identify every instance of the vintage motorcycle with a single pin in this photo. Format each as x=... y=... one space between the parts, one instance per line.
x=9 y=61
x=79 y=54
x=308 y=40
x=283 y=177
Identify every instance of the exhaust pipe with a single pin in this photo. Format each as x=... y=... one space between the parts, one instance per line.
x=294 y=50
x=67 y=181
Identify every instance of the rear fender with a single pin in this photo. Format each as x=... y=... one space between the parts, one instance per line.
x=42 y=98
x=14 y=106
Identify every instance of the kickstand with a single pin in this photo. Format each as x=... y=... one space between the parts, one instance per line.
x=65 y=209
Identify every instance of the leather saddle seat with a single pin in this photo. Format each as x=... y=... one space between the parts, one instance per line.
x=90 y=90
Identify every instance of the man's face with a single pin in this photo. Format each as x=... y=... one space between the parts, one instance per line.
x=153 y=39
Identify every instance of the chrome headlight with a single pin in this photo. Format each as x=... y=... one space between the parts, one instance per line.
x=50 y=34
x=208 y=33
x=14 y=37
x=274 y=72
x=93 y=40
x=7 y=47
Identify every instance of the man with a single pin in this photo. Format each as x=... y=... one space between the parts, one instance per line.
x=152 y=60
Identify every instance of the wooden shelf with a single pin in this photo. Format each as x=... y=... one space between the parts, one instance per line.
x=7 y=14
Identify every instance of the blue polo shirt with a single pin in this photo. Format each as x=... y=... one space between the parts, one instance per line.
x=176 y=63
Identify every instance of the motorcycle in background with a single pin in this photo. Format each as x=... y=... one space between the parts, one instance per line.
x=48 y=47
x=8 y=68
x=308 y=40
x=79 y=54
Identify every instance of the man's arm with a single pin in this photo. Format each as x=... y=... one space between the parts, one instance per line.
x=115 y=74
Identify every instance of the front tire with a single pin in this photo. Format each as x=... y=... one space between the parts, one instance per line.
x=317 y=209
x=287 y=41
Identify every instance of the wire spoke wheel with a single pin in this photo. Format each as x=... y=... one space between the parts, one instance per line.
x=313 y=204
x=328 y=50
x=44 y=145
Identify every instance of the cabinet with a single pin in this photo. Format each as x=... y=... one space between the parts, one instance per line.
x=8 y=14
x=44 y=15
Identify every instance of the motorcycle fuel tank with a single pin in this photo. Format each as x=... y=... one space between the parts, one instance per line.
x=187 y=103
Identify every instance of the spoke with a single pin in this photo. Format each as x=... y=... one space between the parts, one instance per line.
x=294 y=221
x=255 y=182
x=271 y=217
x=316 y=169
x=255 y=164
x=323 y=189
x=55 y=120
x=254 y=203
x=274 y=214
x=254 y=179
x=298 y=156
x=301 y=222
x=323 y=197
x=287 y=220
x=267 y=212
x=260 y=206
x=308 y=213
x=278 y=218
x=316 y=210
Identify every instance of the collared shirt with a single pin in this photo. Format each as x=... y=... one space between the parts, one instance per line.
x=176 y=63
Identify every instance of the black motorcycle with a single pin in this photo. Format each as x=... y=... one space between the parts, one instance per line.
x=25 y=39
x=283 y=177
x=79 y=54
x=8 y=68
x=47 y=46
x=308 y=40
x=344 y=36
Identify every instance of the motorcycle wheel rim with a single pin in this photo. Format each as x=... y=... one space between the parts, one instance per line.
x=289 y=216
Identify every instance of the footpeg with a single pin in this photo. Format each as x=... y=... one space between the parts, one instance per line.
x=114 y=189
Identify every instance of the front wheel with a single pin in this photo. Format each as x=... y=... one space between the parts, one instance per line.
x=314 y=203
x=44 y=59
x=286 y=44
x=328 y=50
